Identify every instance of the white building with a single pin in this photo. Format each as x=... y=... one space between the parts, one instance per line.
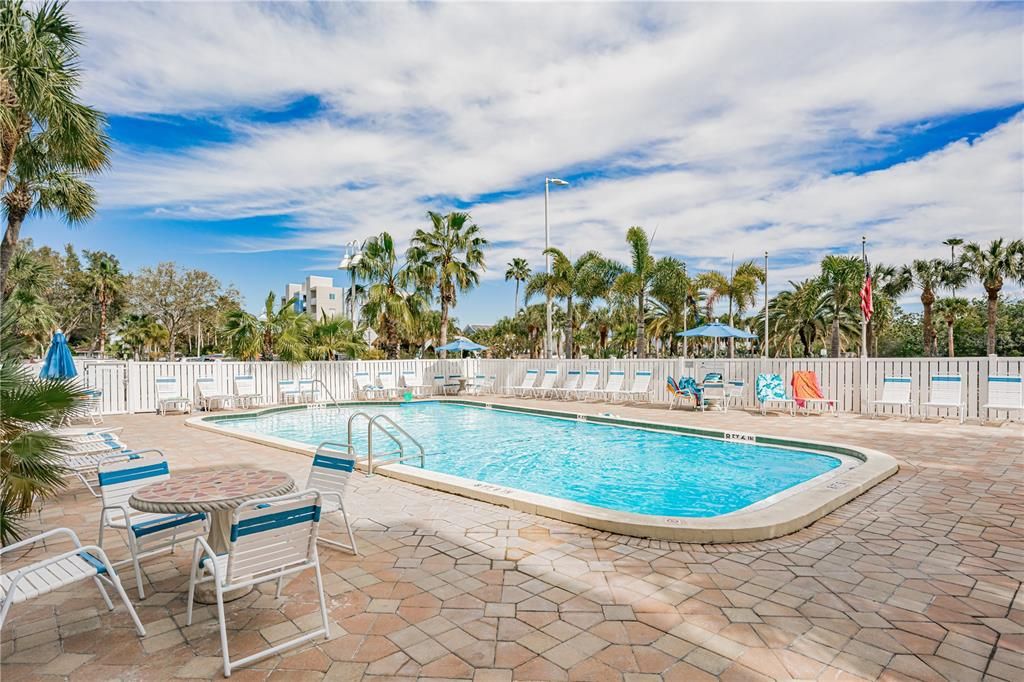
x=317 y=297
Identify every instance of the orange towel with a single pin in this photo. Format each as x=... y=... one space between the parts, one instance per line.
x=806 y=387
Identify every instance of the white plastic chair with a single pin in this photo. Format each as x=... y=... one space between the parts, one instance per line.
x=734 y=389
x=245 y=391
x=412 y=380
x=288 y=391
x=388 y=383
x=571 y=383
x=332 y=468
x=613 y=387
x=946 y=391
x=44 y=576
x=476 y=384
x=546 y=385
x=529 y=379
x=714 y=392
x=587 y=386
x=308 y=390
x=209 y=395
x=169 y=397
x=270 y=539
x=1004 y=393
x=364 y=387
x=641 y=386
x=452 y=384
x=120 y=475
x=896 y=391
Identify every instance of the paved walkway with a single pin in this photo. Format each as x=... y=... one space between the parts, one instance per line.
x=917 y=579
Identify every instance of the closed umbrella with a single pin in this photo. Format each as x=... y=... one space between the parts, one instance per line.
x=58 y=364
x=718 y=330
x=461 y=344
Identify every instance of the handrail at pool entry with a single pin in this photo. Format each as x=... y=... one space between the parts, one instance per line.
x=326 y=390
x=371 y=423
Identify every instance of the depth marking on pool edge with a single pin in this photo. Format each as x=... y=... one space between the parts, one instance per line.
x=739 y=437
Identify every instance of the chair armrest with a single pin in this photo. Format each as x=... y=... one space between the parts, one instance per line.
x=50 y=533
x=201 y=547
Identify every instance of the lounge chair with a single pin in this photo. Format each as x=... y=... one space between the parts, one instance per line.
x=84 y=562
x=246 y=394
x=209 y=396
x=120 y=475
x=896 y=391
x=388 y=383
x=946 y=391
x=82 y=457
x=412 y=380
x=1004 y=393
x=271 y=539
x=571 y=383
x=807 y=392
x=529 y=379
x=678 y=394
x=288 y=391
x=770 y=390
x=613 y=387
x=169 y=396
x=586 y=388
x=641 y=386
x=309 y=391
x=480 y=384
x=547 y=384
x=364 y=388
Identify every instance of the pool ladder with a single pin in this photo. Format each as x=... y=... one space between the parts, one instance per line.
x=375 y=422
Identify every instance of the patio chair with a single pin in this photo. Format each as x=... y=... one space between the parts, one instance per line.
x=946 y=391
x=147 y=534
x=332 y=467
x=271 y=539
x=94 y=405
x=169 y=396
x=246 y=394
x=678 y=394
x=452 y=384
x=547 y=384
x=364 y=387
x=896 y=391
x=734 y=390
x=42 y=577
x=388 y=383
x=714 y=392
x=309 y=392
x=529 y=379
x=476 y=384
x=571 y=383
x=641 y=386
x=770 y=390
x=288 y=391
x=586 y=388
x=209 y=397
x=1004 y=393
x=807 y=392
x=412 y=380
x=613 y=387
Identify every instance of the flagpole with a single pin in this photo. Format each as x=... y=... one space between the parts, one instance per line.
x=863 y=316
x=765 y=349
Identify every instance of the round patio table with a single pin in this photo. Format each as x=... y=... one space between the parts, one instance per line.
x=217 y=493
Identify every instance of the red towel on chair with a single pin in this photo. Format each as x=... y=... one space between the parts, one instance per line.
x=806 y=387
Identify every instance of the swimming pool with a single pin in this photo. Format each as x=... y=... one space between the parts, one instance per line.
x=635 y=470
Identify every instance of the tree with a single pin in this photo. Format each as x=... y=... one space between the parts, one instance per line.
x=951 y=310
x=673 y=299
x=841 y=279
x=797 y=315
x=331 y=337
x=888 y=284
x=588 y=278
x=278 y=333
x=519 y=270
x=106 y=281
x=141 y=333
x=636 y=283
x=740 y=289
x=992 y=266
x=392 y=301
x=173 y=296
x=449 y=256
x=928 y=276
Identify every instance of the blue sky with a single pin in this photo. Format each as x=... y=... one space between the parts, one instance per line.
x=254 y=140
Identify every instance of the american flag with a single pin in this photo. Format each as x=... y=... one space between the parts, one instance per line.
x=866 y=306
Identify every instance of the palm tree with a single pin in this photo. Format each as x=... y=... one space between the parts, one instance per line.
x=38 y=87
x=928 y=276
x=888 y=284
x=332 y=337
x=740 y=288
x=142 y=333
x=392 y=303
x=448 y=257
x=841 y=279
x=672 y=300
x=991 y=266
x=951 y=310
x=279 y=332
x=797 y=315
x=106 y=280
x=519 y=270
x=636 y=283
x=588 y=278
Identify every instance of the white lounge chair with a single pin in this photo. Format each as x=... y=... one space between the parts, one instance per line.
x=209 y=395
x=476 y=384
x=412 y=380
x=120 y=475
x=169 y=396
x=770 y=391
x=246 y=394
x=571 y=383
x=437 y=385
x=896 y=391
x=586 y=388
x=271 y=539
x=309 y=391
x=613 y=387
x=946 y=391
x=364 y=387
x=547 y=383
x=332 y=467
x=734 y=389
x=529 y=379
x=288 y=391
x=1004 y=393
x=641 y=386
x=42 y=577
x=388 y=383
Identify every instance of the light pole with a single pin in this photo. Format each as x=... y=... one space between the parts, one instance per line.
x=353 y=256
x=765 y=349
x=548 y=346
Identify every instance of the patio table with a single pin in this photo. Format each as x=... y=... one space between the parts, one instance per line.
x=217 y=493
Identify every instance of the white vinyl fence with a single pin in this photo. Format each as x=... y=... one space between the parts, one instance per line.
x=129 y=387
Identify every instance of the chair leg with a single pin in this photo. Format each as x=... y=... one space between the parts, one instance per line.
x=280 y=584
x=134 y=549
x=103 y=593
x=223 y=631
x=192 y=585
x=128 y=605
x=323 y=602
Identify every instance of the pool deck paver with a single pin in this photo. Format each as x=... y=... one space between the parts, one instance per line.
x=920 y=578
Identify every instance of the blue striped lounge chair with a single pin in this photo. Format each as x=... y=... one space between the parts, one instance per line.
x=896 y=392
x=1004 y=393
x=946 y=391
x=529 y=379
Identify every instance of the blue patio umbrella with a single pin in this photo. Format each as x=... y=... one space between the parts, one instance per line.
x=461 y=344
x=718 y=330
x=58 y=364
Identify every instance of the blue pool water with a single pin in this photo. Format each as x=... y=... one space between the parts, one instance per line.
x=625 y=469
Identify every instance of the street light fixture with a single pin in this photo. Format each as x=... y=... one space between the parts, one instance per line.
x=353 y=256
x=548 y=345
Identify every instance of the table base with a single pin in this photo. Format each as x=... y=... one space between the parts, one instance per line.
x=206 y=593
x=218 y=539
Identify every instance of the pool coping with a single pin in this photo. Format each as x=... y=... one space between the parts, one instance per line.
x=799 y=507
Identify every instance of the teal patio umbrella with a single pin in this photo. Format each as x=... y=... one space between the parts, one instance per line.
x=718 y=330
x=461 y=344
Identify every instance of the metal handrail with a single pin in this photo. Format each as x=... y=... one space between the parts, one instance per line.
x=373 y=422
x=327 y=390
